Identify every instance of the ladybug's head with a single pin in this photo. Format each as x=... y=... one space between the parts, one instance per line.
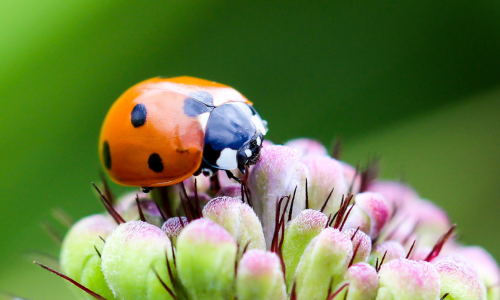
x=250 y=152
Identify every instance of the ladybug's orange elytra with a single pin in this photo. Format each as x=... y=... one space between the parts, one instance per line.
x=155 y=134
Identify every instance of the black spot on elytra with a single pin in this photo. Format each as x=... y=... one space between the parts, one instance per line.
x=106 y=154
x=203 y=97
x=155 y=163
x=138 y=115
x=193 y=108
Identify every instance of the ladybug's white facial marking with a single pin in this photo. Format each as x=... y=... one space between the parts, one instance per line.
x=227 y=159
x=248 y=152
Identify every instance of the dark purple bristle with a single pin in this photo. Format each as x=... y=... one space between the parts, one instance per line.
x=86 y=290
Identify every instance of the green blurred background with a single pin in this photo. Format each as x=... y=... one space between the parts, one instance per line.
x=415 y=81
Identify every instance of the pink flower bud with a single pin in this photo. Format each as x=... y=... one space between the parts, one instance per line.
x=361 y=243
x=238 y=219
x=126 y=205
x=404 y=279
x=225 y=181
x=127 y=208
x=376 y=207
x=277 y=174
x=396 y=193
x=203 y=198
x=230 y=191
x=173 y=227
x=421 y=252
x=391 y=249
x=202 y=184
x=260 y=277
x=363 y=282
x=486 y=266
x=420 y=220
x=267 y=143
x=349 y=173
x=358 y=218
x=307 y=147
x=325 y=174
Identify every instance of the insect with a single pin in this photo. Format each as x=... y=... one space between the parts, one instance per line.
x=163 y=130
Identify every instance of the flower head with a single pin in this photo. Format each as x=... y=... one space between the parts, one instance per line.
x=301 y=225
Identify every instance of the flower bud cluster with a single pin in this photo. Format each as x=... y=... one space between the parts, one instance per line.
x=303 y=225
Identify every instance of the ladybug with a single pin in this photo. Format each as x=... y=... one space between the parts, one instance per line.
x=163 y=130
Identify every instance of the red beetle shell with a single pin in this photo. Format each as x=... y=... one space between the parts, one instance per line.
x=164 y=146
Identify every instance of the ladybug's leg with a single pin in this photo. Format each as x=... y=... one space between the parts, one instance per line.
x=230 y=175
x=206 y=169
x=146 y=189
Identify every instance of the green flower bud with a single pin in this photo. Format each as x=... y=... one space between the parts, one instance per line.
x=327 y=257
x=260 y=277
x=238 y=219
x=301 y=230
x=206 y=255
x=403 y=279
x=80 y=254
x=459 y=280
x=132 y=254
x=363 y=283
